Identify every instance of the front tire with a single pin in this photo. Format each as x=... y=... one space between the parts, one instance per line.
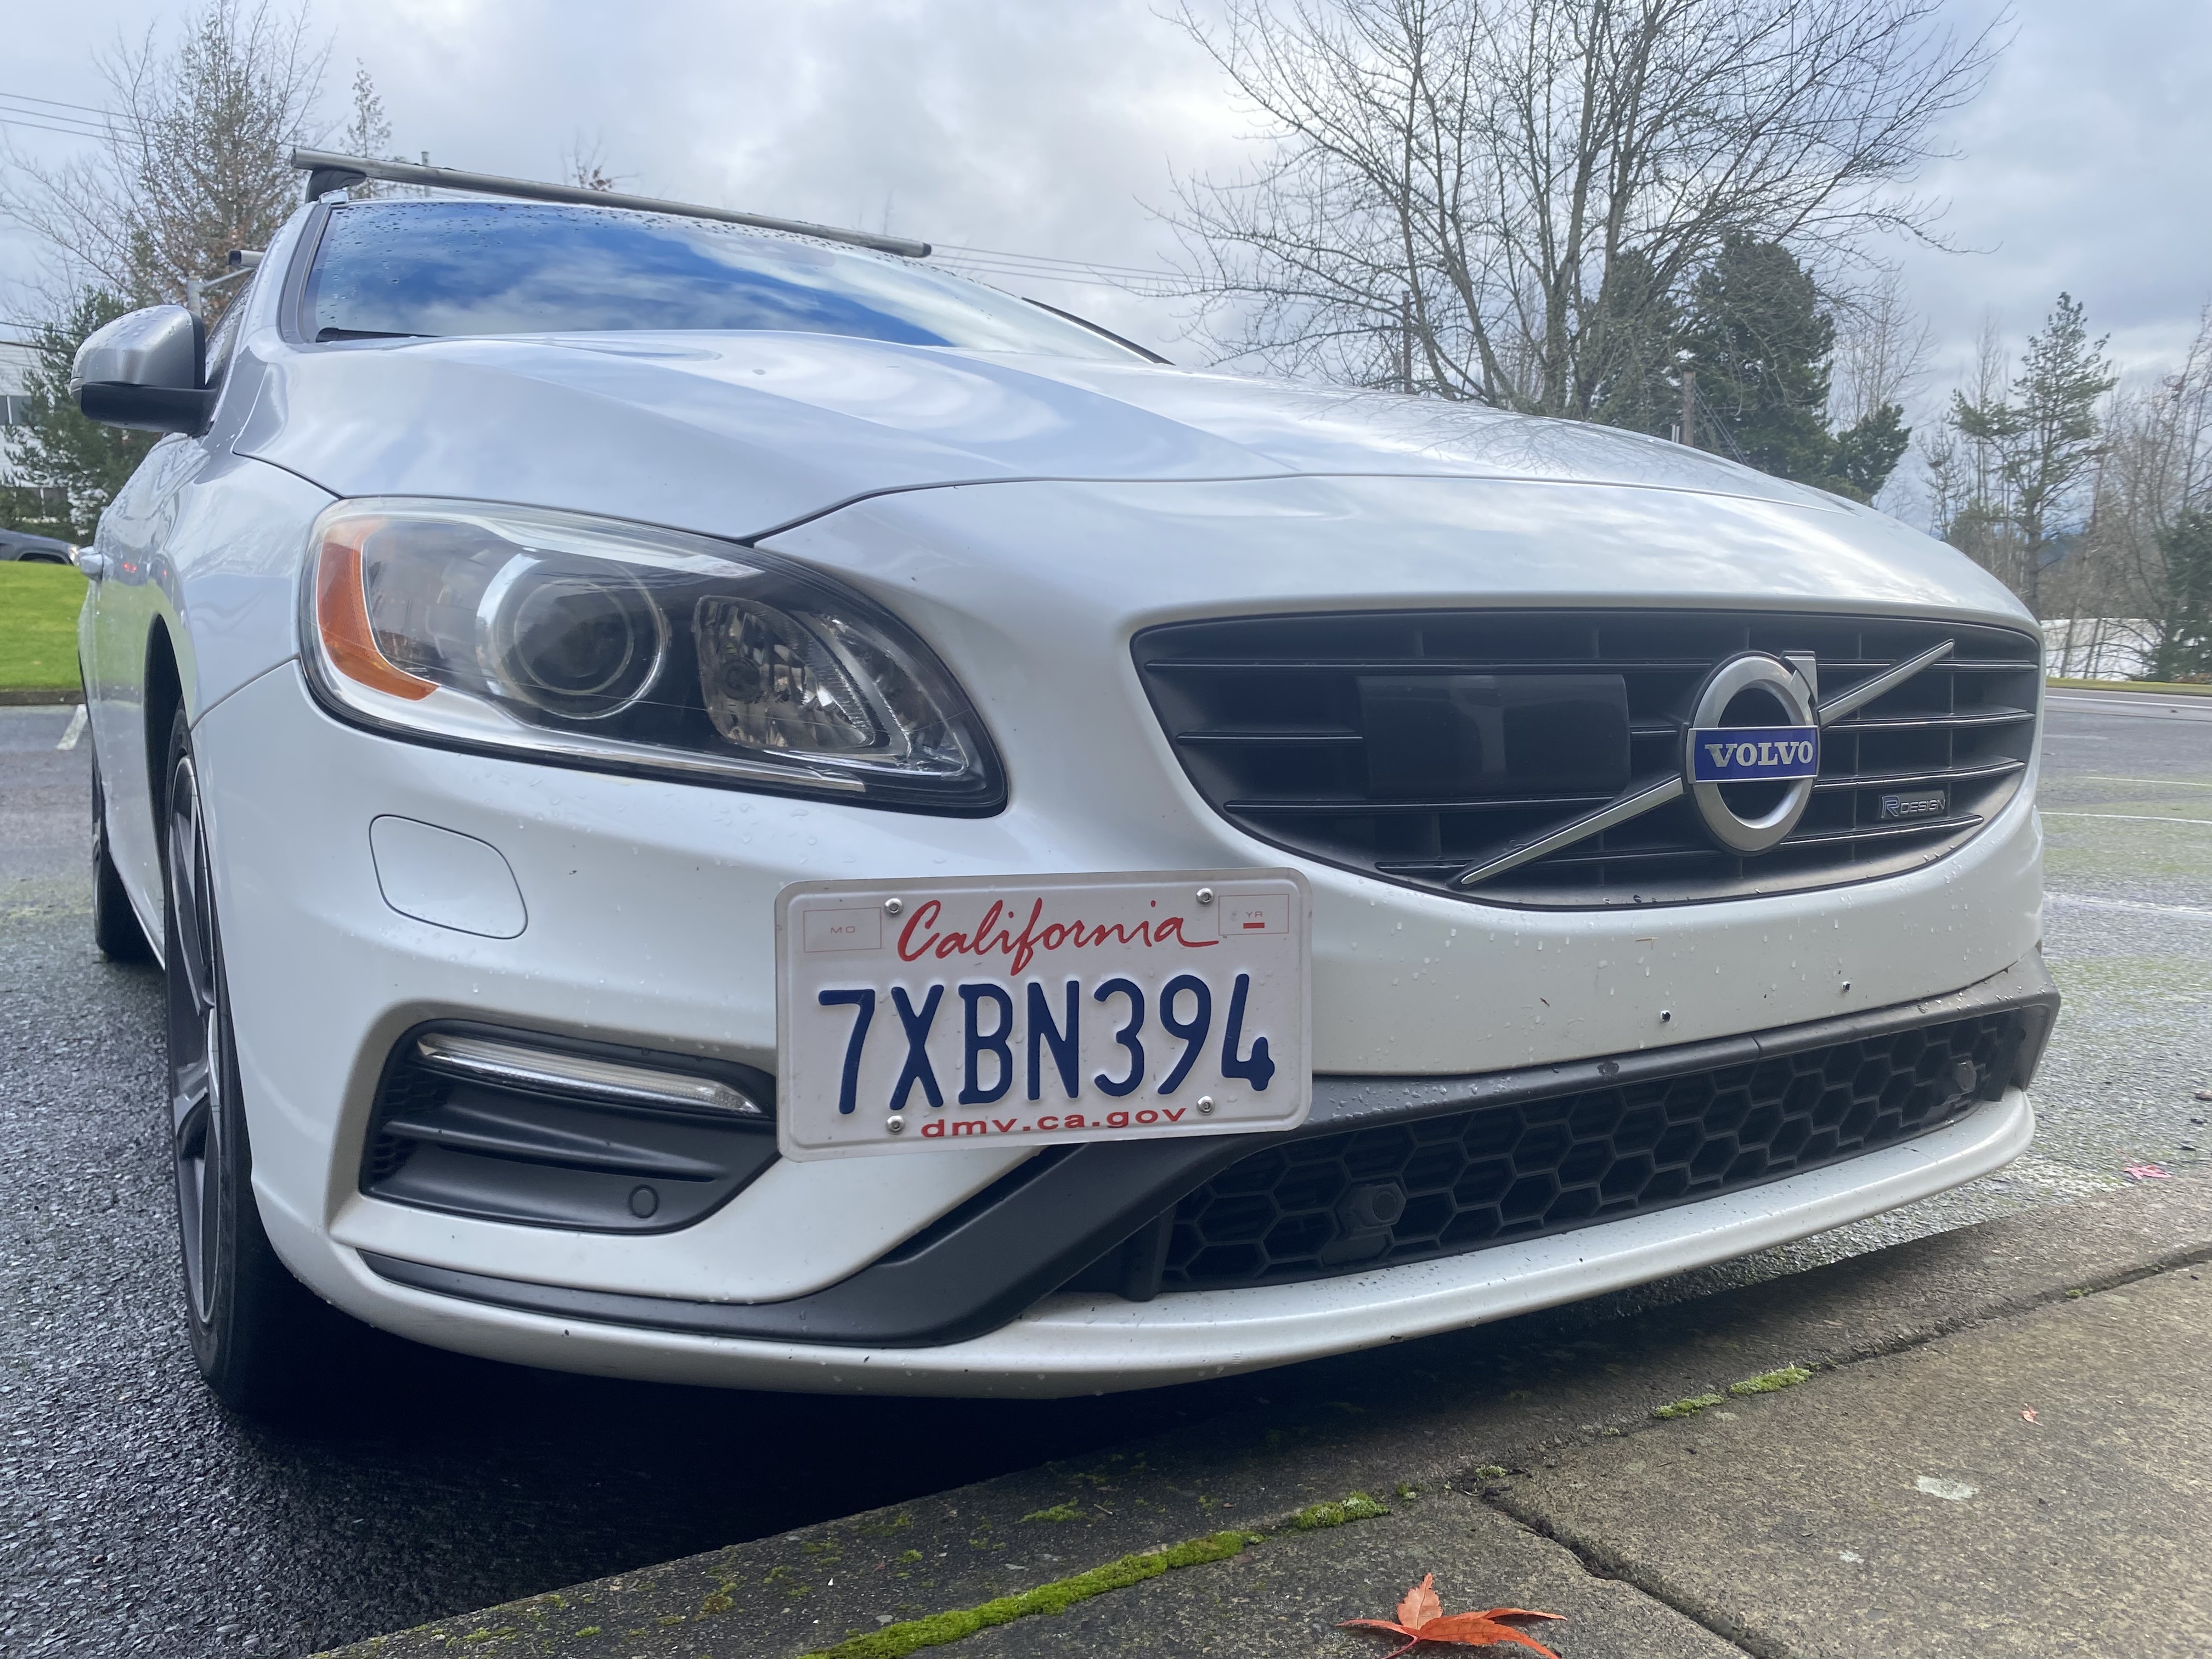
x=258 y=1336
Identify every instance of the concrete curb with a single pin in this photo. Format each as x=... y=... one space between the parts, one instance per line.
x=40 y=696
x=1445 y=1412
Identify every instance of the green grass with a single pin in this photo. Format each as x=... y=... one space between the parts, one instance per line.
x=39 y=604
x=2160 y=688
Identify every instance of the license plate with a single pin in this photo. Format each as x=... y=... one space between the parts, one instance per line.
x=916 y=1016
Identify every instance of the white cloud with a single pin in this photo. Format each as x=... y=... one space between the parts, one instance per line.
x=2083 y=169
x=1048 y=128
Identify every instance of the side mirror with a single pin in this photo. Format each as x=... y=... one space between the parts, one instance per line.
x=144 y=371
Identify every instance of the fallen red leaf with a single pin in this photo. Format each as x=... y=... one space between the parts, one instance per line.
x=1421 y=1619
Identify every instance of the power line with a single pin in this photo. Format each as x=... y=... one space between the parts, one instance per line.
x=26 y=98
x=50 y=114
x=8 y=120
x=1015 y=278
x=962 y=250
x=1057 y=274
x=1152 y=285
x=995 y=262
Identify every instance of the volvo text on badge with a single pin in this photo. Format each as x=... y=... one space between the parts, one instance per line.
x=1753 y=754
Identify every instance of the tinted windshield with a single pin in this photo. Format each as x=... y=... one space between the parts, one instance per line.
x=455 y=268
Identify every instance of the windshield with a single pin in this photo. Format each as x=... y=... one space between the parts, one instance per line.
x=473 y=268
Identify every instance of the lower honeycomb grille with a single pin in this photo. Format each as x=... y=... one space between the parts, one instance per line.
x=1442 y=1186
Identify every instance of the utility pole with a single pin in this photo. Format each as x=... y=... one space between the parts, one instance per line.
x=241 y=262
x=1689 y=401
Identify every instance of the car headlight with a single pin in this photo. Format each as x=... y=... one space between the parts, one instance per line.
x=588 y=642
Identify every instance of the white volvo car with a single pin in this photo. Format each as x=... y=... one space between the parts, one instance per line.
x=724 y=805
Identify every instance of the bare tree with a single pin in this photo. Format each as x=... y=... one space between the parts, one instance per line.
x=1501 y=199
x=583 y=164
x=1971 y=504
x=2143 y=557
x=1882 y=347
x=195 y=161
x=368 y=130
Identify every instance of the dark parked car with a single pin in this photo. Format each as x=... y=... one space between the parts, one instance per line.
x=34 y=549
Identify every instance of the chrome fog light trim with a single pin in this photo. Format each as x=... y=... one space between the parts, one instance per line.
x=514 y=1066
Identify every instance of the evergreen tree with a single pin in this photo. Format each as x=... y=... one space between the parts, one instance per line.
x=1634 y=339
x=1867 y=452
x=57 y=447
x=1760 y=344
x=2185 y=624
x=2044 y=434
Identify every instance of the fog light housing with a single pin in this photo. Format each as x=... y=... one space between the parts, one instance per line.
x=552 y=1132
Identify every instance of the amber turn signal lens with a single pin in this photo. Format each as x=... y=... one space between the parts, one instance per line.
x=342 y=615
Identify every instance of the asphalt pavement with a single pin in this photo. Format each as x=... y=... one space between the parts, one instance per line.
x=136 y=1517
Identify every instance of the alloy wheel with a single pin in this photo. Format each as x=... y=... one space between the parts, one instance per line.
x=196 y=1039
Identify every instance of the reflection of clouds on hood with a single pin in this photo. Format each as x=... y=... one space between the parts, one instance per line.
x=1325 y=429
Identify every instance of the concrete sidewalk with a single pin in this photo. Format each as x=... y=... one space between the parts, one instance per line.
x=1847 y=1469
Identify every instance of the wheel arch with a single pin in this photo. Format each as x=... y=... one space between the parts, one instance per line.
x=164 y=695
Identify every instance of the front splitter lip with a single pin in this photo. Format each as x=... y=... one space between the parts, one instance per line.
x=1070 y=1344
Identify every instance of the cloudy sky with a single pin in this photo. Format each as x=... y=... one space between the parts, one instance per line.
x=1056 y=128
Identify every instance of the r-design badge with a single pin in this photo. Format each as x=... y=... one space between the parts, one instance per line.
x=1755 y=724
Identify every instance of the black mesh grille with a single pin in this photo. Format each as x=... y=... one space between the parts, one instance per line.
x=407 y=1090
x=1275 y=720
x=1444 y=1185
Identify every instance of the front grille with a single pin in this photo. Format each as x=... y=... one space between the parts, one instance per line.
x=1306 y=731
x=1444 y=1185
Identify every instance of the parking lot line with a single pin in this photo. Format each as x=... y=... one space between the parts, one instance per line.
x=2088 y=902
x=2126 y=817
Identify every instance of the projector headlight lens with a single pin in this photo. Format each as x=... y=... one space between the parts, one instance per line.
x=594 y=643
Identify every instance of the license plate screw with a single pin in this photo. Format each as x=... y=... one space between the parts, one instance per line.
x=892 y=906
x=1206 y=896
x=1205 y=1102
x=896 y=1124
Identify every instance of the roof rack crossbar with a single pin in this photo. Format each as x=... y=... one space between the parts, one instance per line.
x=529 y=190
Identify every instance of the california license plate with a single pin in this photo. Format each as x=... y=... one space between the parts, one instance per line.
x=914 y=1016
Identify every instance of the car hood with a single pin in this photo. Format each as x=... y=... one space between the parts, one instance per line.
x=741 y=434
